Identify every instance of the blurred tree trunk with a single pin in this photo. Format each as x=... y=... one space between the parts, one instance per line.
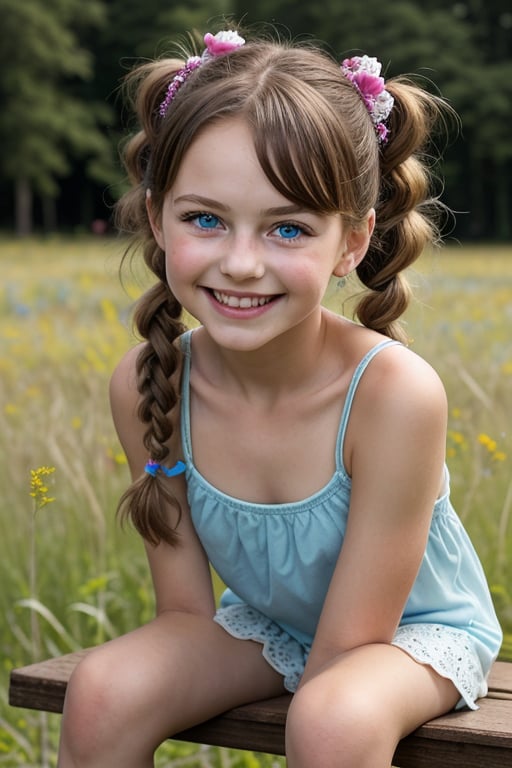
x=502 y=202
x=23 y=202
x=49 y=214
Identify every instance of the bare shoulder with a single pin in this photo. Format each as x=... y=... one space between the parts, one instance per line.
x=402 y=376
x=399 y=410
x=123 y=389
x=124 y=400
x=405 y=399
x=400 y=381
x=123 y=382
x=396 y=377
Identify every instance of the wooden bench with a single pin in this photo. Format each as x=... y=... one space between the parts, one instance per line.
x=480 y=739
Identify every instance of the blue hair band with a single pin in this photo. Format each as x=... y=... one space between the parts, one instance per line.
x=152 y=467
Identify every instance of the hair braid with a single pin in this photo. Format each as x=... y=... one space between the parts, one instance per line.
x=156 y=364
x=406 y=210
x=157 y=319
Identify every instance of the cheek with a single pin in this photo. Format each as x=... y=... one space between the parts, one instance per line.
x=183 y=262
x=179 y=254
x=308 y=277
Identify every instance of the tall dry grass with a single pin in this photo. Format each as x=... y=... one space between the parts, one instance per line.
x=70 y=577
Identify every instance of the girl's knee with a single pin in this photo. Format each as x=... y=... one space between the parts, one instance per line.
x=87 y=703
x=334 y=727
x=95 y=707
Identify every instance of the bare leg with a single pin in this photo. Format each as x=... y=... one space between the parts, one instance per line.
x=353 y=714
x=128 y=696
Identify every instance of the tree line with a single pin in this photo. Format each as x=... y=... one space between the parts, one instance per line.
x=62 y=63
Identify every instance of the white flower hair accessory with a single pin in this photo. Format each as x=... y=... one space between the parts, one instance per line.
x=216 y=45
x=364 y=73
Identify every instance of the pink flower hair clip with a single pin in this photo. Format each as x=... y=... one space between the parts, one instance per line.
x=216 y=45
x=364 y=73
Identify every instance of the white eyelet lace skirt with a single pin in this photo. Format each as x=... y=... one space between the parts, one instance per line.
x=449 y=651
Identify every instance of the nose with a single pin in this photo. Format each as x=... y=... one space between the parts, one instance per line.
x=242 y=259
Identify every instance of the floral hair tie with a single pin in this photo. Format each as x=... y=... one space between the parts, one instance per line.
x=216 y=45
x=153 y=467
x=364 y=73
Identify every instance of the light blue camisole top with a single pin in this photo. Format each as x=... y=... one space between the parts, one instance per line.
x=279 y=558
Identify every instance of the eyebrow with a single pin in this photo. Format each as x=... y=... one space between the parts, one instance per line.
x=207 y=202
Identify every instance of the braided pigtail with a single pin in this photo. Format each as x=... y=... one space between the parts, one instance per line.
x=157 y=319
x=407 y=212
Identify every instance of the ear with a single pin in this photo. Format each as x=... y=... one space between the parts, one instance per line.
x=154 y=221
x=356 y=245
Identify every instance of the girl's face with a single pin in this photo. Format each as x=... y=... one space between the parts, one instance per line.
x=248 y=263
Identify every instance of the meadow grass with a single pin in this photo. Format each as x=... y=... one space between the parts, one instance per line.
x=70 y=576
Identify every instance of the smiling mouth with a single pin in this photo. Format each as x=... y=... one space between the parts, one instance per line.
x=241 y=302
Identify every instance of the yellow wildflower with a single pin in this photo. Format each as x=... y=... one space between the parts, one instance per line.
x=109 y=311
x=457 y=443
x=487 y=441
x=38 y=487
x=118 y=457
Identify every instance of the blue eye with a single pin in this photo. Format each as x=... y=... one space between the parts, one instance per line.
x=207 y=220
x=289 y=231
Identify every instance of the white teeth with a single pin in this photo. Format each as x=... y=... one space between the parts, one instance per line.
x=246 y=302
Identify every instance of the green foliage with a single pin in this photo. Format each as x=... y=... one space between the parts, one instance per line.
x=464 y=49
x=46 y=122
x=62 y=62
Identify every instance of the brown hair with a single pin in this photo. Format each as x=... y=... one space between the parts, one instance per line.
x=317 y=145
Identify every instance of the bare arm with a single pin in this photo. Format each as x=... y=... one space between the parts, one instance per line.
x=181 y=575
x=396 y=450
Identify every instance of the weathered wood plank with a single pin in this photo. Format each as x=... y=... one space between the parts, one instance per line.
x=43 y=685
x=490 y=724
x=480 y=739
x=416 y=752
x=466 y=739
x=500 y=678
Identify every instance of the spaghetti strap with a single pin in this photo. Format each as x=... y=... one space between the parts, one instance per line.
x=356 y=378
x=185 y=345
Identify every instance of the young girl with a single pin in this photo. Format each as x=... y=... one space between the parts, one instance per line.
x=298 y=452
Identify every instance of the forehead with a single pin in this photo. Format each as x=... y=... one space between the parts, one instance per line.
x=220 y=139
x=222 y=164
